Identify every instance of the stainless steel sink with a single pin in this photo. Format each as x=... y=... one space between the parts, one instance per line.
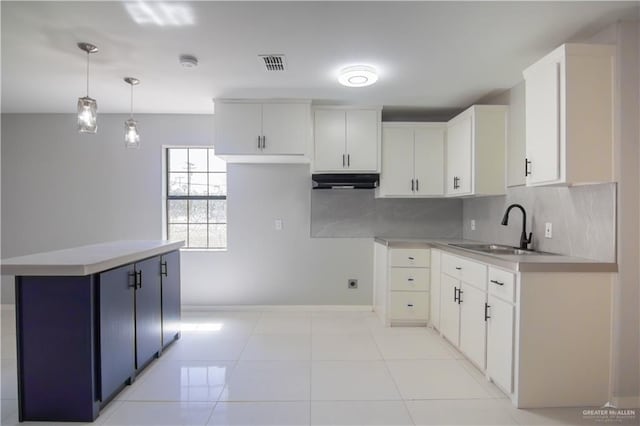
x=498 y=249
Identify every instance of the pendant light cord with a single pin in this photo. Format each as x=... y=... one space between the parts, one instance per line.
x=131 y=115
x=88 y=74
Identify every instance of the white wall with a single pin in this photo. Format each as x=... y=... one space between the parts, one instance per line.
x=62 y=189
x=626 y=295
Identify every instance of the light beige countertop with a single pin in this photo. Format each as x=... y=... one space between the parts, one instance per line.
x=520 y=263
x=86 y=260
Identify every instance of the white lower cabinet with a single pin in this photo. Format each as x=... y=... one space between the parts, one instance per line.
x=401 y=285
x=434 y=289
x=473 y=324
x=500 y=317
x=462 y=306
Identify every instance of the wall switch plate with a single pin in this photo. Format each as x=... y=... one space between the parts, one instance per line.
x=548 y=230
x=352 y=283
x=473 y=224
x=278 y=224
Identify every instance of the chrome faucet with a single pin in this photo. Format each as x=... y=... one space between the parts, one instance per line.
x=524 y=241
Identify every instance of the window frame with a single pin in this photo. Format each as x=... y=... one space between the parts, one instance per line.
x=167 y=197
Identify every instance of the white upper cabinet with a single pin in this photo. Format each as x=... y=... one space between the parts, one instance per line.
x=248 y=131
x=346 y=140
x=412 y=160
x=475 y=152
x=569 y=116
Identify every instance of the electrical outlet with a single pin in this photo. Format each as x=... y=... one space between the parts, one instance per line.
x=473 y=224
x=548 y=230
x=278 y=224
x=352 y=283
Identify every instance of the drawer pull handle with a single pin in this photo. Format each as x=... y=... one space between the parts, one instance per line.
x=497 y=282
x=411 y=258
x=409 y=305
x=458 y=268
x=409 y=279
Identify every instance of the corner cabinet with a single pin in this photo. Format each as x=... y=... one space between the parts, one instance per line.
x=569 y=116
x=346 y=140
x=262 y=131
x=475 y=151
x=412 y=160
x=401 y=282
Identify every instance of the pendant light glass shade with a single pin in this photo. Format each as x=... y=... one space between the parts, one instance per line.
x=87 y=115
x=131 y=134
x=87 y=106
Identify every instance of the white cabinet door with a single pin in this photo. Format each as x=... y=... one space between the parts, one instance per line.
x=472 y=324
x=500 y=343
x=329 y=140
x=542 y=123
x=459 y=165
x=449 y=309
x=237 y=128
x=397 y=161
x=362 y=140
x=285 y=128
x=429 y=161
x=435 y=288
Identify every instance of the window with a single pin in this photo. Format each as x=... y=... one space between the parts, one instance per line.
x=196 y=198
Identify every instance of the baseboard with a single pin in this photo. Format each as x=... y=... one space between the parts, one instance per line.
x=278 y=308
x=626 y=401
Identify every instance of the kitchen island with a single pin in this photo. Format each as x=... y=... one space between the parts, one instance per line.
x=88 y=320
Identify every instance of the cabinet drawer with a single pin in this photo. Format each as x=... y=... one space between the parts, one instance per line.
x=465 y=270
x=502 y=284
x=410 y=257
x=410 y=279
x=409 y=305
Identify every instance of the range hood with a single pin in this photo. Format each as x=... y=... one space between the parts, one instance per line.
x=345 y=180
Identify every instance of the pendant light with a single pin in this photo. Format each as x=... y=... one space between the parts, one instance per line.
x=87 y=107
x=131 y=135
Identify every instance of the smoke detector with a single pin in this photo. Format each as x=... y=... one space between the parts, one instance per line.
x=188 y=61
x=273 y=62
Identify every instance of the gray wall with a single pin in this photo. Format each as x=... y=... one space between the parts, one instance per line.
x=61 y=189
x=583 y=219
x=357 y=213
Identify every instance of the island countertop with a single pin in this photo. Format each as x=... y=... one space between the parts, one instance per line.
x=520 y=263
x=86 y=260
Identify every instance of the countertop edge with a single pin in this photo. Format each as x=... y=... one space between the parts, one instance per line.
x=86 y=269
x=506 y=262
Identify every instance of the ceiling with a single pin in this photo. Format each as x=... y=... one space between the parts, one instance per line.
x=431 y=55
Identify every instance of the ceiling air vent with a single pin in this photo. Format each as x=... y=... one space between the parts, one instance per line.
x=273 y=62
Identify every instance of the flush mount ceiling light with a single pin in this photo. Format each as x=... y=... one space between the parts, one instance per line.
x=188 y=61
x=131 y=135
x=358 y=76
x=87 y=107
x=160 y=13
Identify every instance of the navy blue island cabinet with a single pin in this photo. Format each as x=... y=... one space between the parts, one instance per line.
x=83 y=338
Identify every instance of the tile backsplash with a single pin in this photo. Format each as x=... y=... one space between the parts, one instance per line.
x=583 y=219
x=357 y=213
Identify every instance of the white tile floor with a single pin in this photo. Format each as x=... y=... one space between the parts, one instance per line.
x=302 y=368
